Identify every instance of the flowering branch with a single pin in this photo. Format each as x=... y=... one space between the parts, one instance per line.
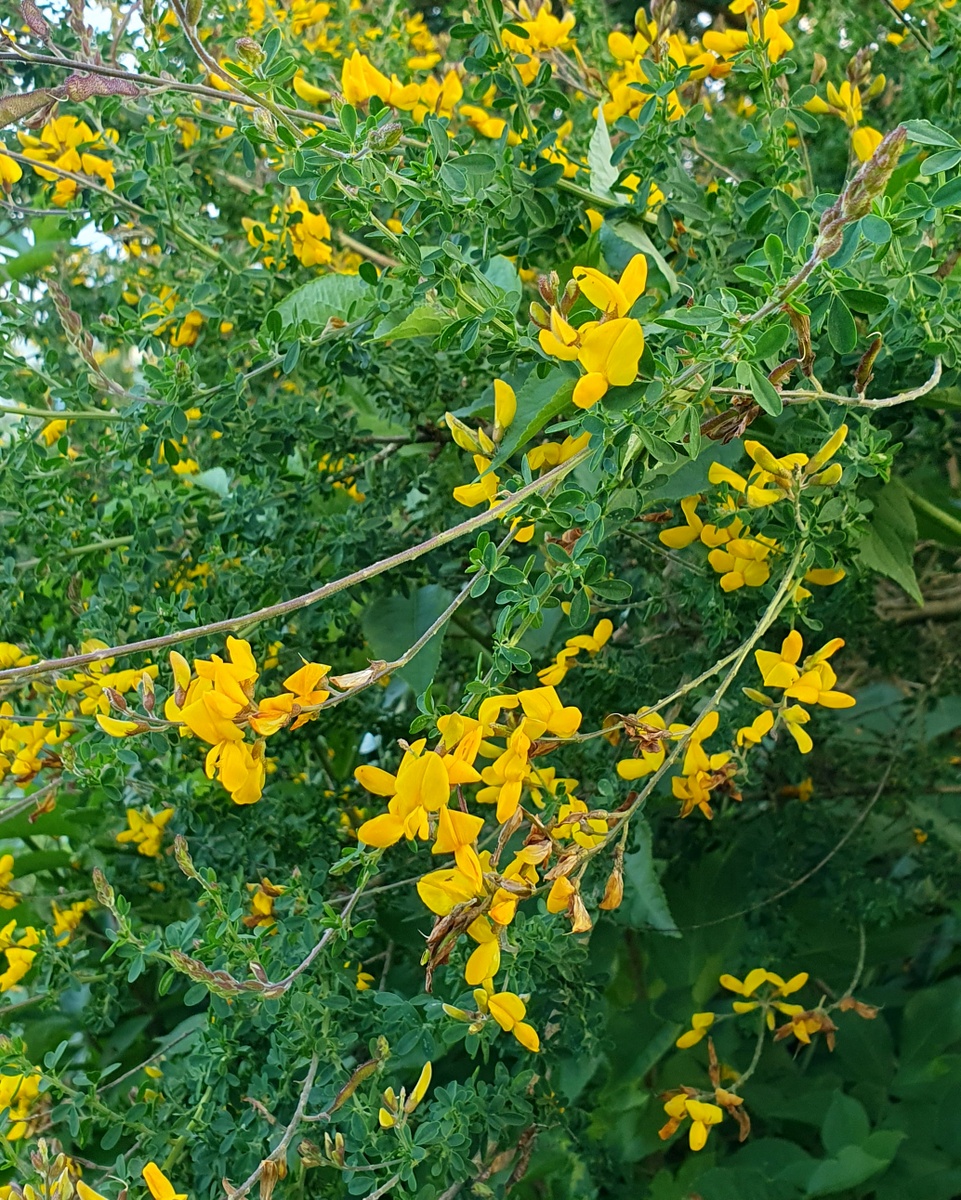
x=233 y=624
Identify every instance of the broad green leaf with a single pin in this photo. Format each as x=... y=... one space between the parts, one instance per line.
x=888 y=546
x=538 y=401
x=634 y=236
x=927 y=134
x=842 y=332
x=603 y=174
x=944 y=160
x=424 y=321
x=764 y=392
x=845 y=1123
x=851 y=1167
x=393 y=624
x=949 y=195
x=328 y=296
x=646 y=903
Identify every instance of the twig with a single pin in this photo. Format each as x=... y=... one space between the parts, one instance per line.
x=803 y=879
x=800 y=396
x=365 y=251
x=284 y=607
x=281 y=1148
x=112 y=1083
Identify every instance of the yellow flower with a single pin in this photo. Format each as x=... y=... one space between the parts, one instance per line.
x=159 y=1185
x=614 y=299
x=67 y=142
x=9 y=898
x=509 y=1011
x=702 y=1115
x=145 y=830
x=680 y=536
x=307 y=91
x=18 y=1095
x=753 y=734
x=700 y=1023
x=651 y=747
x=10 y=171
x=742 y=564
x=66 y=920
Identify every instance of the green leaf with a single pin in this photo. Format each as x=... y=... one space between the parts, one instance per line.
x=538 y=401
x=635 y=237
x=392 y=624
x=927 y=134
x=850 y=1168
x=944 y=160
x=876 y=229
x=424 y=321
x=764 y=392
x=329 y=296
x=888 y=546
x=603 y=174
x=845 y=1123
x=772 y=340
x=949 y=195
x=646 y=903
x=842 y=332
x=774 y=253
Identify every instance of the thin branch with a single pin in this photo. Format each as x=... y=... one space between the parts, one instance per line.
x=799 y=396
x=803 y=879
x=279 y=1151
x=284 y=607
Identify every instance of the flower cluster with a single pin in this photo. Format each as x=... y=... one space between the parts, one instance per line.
x=810 y=682
x=477 y=896
x=68 y=143
x=608 y=349
x=742 y=559
x=215 y=703
x=760 y=991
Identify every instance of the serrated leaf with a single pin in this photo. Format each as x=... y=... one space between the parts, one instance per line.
x=424 y=321
x=599 y=152
x=888 y=546
x=328 y=296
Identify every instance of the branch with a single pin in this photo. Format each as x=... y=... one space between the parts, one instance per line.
x=799 y=396
x=18 y=675
x=280 y=1149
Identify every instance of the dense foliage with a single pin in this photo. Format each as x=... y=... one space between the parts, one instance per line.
x=480 y=682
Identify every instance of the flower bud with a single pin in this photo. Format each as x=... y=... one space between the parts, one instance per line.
x=266 y=125
x=249 y=51
x=34 y=20
x=819 y=67
x=105 y=893
x=384 y=137
x=539 y=315
x=547 y=285
x=183 y=859
x=865 y=368
x=115 y=700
